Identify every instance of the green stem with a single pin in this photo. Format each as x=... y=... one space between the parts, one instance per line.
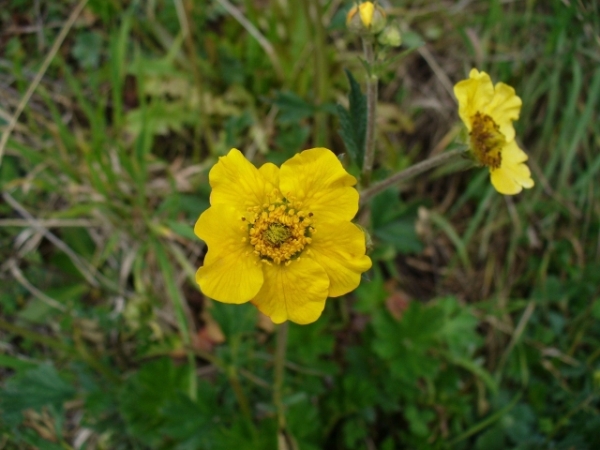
x=202 y=125
x=412 y=171
x=281 y=343
x=40 y=74
x=487 y=421
x=320 y=63
x=179 y=307
x=372 y=84
x=239 y=394
x=36 y=337
x=256 y=34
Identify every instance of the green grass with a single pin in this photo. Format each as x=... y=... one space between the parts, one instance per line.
x=105 y=340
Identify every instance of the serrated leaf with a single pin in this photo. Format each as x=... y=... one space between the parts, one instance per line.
x=309 y=346
x=292 y=108
x=38 y=387
x=235 y=320
x=347 y=133
x=353 y=122
x=394 y=222
x=459 y=330
x=146 y=393
x=404 y=344
x=183 y=417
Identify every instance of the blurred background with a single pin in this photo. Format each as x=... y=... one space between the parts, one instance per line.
x=478 y=326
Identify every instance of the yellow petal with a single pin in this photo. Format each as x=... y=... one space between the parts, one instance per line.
x=473 y=94
x=504 y=109
x=339 y=247
x=270 y=172
x=512 y=153
x=236 y=182
x=296 y=292
x=366 y=11
x=231 y=272
x=504 y=183
x=513 y=174
x=318 y=180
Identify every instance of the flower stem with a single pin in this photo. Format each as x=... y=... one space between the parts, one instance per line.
x=412 y=171
x=239 y=394
x=314 y=17
x=281 y=344
x=372 y=84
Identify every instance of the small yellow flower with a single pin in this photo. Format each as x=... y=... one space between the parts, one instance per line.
x=281 y=237
x=371 y=18
x=488 y=112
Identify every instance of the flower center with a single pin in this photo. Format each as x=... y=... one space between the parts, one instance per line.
x=486 y=140
x=276 y=234
x=279 y=231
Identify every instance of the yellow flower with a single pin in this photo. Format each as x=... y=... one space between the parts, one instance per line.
x=488 y=111
x=281 y=237
x=371 y=18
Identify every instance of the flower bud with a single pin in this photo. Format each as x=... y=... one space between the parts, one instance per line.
x=366 y=18
x=390 y=36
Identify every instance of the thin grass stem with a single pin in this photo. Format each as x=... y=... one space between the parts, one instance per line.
x=280 y=349
x=314 y=16
x=40 y=73
x=412 y=171
x=256 y=34
x=372 y=85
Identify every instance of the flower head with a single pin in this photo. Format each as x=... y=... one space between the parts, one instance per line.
x=366 y=17
x=281 y=237
x=488 y=112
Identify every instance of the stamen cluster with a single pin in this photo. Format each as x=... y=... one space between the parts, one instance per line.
x=279 y=230
x=487 y=141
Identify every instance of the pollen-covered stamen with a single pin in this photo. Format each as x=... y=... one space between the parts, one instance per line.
x=486 y=140
x=279 y=231
x=276 y=234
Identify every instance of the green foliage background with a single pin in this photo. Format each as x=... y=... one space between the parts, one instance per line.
x=478 y=326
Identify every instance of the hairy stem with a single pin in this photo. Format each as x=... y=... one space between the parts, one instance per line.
x=372 y=83
x=412 y=171
x=281 y=344
x=314 y=16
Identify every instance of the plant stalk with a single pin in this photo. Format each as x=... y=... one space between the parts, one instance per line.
x=372 y=84
x=314 y=17
x=280 y=348
x=412 y=171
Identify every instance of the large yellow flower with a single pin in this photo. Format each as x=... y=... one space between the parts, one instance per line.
x=488 y=111
x=281 y=237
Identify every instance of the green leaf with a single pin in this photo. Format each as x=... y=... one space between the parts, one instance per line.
x=16 y=363
x=309 y=346
x=460 y=328
x=292 y=108
x=86 y=50
x=596 y=309
x=405 y=344
x=394 y=222
x=353 y=122
x=182 y=229
x=370 y=296
x=418 y=420
x=413 y=345
x=144 y=395
x=235 y=320
x=41 y=386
